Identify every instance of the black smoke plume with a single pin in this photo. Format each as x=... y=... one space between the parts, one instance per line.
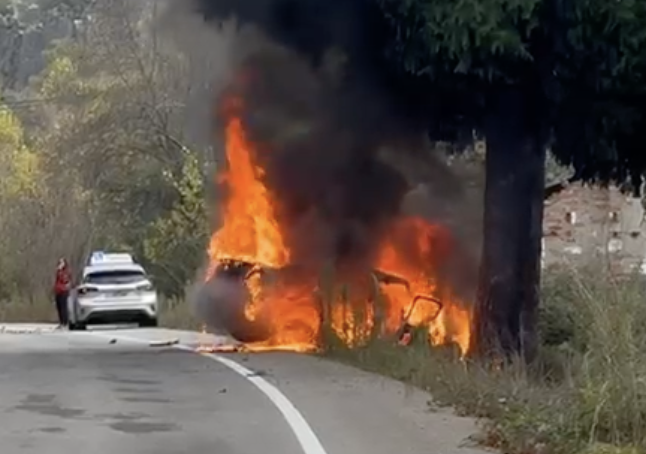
x=374 y=97
x=320 y=66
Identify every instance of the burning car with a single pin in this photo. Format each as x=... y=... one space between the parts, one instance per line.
x=247 y=322
x=263 y=289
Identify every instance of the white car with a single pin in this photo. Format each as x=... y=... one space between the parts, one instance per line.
x=113 y=289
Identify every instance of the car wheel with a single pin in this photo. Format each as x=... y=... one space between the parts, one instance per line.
x=148 y=323
x=77 y=326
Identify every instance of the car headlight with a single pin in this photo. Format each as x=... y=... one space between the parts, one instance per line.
x=145 y=288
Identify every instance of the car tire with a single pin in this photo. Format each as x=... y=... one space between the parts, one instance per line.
x=77 y=326
x=148 y=323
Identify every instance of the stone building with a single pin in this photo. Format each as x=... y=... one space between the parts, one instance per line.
x=584 y=223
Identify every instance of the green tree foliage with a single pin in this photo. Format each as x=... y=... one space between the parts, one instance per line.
x=175 y=243
x=525 y=75
x=100 y=162
x=18 y=164
x=21 y=190
x=139 y=175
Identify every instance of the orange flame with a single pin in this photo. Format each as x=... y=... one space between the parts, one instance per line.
x=291 y=308
x=423 y=301
x=250 y=232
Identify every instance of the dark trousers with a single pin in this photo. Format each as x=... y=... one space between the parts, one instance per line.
x=61 y=308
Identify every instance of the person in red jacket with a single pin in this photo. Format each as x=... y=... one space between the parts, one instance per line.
x=62 y=290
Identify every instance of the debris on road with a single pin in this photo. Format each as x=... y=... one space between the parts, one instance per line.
x=164 y=343
x=220 y=348
x=207 y=343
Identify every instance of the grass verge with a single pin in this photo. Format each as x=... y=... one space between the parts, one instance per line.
x=27 y=312
x=173 y=313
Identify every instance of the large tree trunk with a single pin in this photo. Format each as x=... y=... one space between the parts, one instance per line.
x=508 y=295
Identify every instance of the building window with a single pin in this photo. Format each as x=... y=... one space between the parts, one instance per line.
x=570 y=217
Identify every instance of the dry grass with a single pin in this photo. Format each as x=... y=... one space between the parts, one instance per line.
x=177 y=314
x=35 y=312
x=172 y=313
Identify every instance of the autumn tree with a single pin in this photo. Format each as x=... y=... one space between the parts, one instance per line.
x=20 y=191
x=103 y=127
x=526 y=75
x=117 y=94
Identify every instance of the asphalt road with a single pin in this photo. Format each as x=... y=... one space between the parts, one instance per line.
x=110 y=391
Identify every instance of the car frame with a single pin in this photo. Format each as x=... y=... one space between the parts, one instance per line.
x=94 y=302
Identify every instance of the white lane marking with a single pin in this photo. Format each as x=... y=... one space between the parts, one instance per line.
x=305 y=435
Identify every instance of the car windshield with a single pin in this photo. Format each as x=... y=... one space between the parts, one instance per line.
x=114 y=277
